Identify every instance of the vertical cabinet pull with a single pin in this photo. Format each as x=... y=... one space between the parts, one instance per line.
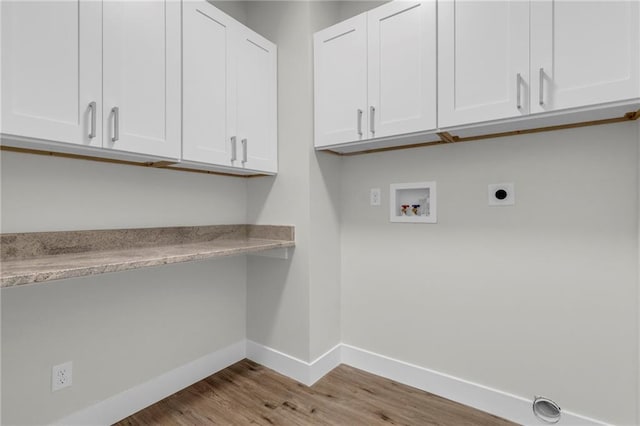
x=234 y=155
x=359 y=121
x=518 y=91
x=541 y=89
x=92 y=120
x=372 y=120
x=116 y=124
x=244 y=150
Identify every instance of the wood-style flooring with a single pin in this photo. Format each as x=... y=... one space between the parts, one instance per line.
x=247 y=393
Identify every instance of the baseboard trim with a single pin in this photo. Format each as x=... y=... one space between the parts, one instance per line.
x=326 y=362
x=304 y=372
x=489 y=400
x=124 y=404
x=493 y=401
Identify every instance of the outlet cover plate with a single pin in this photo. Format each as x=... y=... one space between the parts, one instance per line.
x=510 y=198
x=374 y=197
x=61 y=376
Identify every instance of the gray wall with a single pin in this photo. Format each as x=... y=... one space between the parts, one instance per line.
x=278 y=292
x=294 y=306
x=348 y=9
x=326 y=256
x=119 y=329
x=536 y=299
x=234 y=8
x=42 y=193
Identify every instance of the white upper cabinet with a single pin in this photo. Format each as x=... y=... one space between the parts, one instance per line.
x=99 y=74
x=229 y=105
x=256 y=125
x=208 y=85
x=583 y=53
x=51 y=70
x=401 y=68
x=579 y=54
x=340 y=78
x=375 y=74
x=141 y=80
x=483 y=60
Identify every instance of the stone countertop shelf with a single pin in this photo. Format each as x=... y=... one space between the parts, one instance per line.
x=38 y=257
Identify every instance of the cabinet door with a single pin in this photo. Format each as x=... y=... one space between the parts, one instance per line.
x=402 y=68
x=340 y=78
x=207 y=84
x=483 y=60
x=142 y=76
x=51 y=70
x=256 y=102
x=583 y=53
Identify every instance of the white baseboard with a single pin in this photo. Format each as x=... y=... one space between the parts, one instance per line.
x=493 y=401
x=302 y=371
x=502 y=404
x=124 y=404
x=325 y=363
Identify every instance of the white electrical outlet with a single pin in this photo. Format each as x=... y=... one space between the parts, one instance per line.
x=374 y=197
x=61 y=376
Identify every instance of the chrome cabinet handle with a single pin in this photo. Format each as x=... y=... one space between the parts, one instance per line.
x=116 y=124
x=541 y=88
x=234 y=156
x=518 y=100
x=92 y=120
x=244 y=150
x=359 y=122
x=372 y=121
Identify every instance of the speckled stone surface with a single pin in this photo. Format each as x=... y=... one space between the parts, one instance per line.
x=44 y=256
x=271 y=232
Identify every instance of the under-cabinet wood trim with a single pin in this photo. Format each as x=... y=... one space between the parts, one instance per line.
x=160 y=164
x=634 y=115
x=164 y=165
x=446 y=137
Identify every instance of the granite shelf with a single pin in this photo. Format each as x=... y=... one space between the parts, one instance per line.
x=29 y=258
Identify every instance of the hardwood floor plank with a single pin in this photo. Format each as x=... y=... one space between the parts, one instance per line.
x=247 y=393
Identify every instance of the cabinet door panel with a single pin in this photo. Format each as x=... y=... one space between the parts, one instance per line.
x=402 y=68
x=142 y=76
x=257 y=102
x=340 y=80
x=51 y=70
x=589 y=53
x=482 y=47
x=207 y=84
